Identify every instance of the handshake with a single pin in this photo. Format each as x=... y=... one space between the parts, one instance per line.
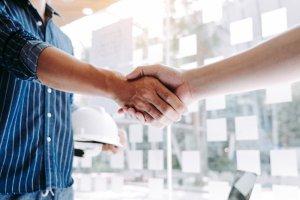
x=155 y=95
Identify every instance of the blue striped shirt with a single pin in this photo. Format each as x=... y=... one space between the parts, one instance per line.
x=36 y=141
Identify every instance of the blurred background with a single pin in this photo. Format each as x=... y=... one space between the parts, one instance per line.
x=258 y=131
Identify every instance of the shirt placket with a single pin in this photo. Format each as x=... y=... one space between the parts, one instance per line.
x=50 y=167
x=49 y=112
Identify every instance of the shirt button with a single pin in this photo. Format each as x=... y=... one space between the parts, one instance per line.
x=48 y=139
x=49 y=90
x=49 y=115
x=39 y=23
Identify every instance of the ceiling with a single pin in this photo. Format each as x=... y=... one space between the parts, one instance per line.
x=71 y=10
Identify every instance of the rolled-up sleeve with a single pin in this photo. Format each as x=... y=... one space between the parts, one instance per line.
x=19 y=49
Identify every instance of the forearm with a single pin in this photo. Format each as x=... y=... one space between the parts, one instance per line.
x=272 y=62
x=61 y=71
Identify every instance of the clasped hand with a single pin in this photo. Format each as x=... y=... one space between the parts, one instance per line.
x=151 y=101
x=158 y=100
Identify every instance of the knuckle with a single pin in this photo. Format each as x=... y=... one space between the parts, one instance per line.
x=152 y=81
x=138 y=69
x=159 y=117
x=150 y=120
x=181 y=107
x=146 y=94
x=144 y=91
x=166 y=109
x=168 y=97
x=149 y=109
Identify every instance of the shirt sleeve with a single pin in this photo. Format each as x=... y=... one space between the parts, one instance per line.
x=19 y=49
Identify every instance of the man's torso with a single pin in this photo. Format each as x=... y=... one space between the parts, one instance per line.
x=36 y=142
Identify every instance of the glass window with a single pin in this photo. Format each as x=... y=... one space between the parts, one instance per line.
x=257 y=131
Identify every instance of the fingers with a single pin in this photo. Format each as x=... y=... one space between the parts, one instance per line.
x=137 y=115
x=149 y=109
x=143 y=71
x=167 y=111
x=172 y=100
x=110 y=148
x=123 y=138
x=142 y=117
x=132 y=113
x=147 y=119
x=122 y=110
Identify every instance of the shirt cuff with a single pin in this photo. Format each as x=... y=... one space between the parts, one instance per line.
x=21 y=54
x=30 y=54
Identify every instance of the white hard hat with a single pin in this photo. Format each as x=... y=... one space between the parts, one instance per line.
x=91 y=124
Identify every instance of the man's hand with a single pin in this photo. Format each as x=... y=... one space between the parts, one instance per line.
x=151 y=98
x=171 y=78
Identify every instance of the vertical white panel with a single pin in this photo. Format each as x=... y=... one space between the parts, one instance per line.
x=188 y=46
x=117 y=160
x=136 y=133
x=156 y=186
x=191 y=162
x=279 y=94
x=155 y=159
x=283 y=163
x=135 y=160
x=274 y=22
x=216 y=130
x=248 y=160
x=241 y=31
x=246 y=128
x=215 y=103
x=155 y=134
x=285 y=192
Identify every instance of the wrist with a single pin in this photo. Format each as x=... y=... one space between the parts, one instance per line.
x=187 y=78
x=118 y=87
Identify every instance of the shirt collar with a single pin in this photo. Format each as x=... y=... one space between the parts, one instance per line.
x=49 y=10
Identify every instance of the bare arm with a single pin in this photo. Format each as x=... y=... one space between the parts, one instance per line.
x=64 y=72
x=272 y=62
x=61 y=71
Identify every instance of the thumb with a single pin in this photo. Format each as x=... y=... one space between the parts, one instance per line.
x=137 y=73
x=184 y=94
